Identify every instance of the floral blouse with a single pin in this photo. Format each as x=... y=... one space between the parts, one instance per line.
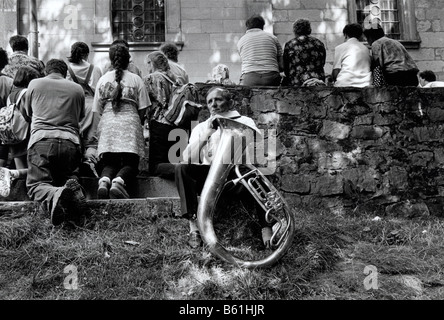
x=304 y=58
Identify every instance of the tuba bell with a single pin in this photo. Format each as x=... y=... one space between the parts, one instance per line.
x=228 y=158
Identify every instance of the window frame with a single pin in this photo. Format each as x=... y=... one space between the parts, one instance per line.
x=173 y=29
x=114 y=32
x=406 y=12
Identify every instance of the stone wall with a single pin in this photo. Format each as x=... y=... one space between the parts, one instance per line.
x=370 y=150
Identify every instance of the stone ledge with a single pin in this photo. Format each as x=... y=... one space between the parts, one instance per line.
x=146 y=187
x=151 y=207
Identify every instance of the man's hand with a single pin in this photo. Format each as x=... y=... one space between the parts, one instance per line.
x=91 y=155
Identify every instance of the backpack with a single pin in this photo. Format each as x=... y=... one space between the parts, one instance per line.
x=182 y=105
x=14 y=124
x=85 y=85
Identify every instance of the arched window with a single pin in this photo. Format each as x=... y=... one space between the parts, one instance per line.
x=138 y=20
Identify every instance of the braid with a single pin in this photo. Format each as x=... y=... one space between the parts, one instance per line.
x=119 y=56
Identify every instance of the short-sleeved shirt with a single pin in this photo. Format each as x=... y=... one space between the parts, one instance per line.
x=353 y=59
x=19 y=59
x=391 y=56
x=260 y=51
x=56 y=106
x=179 y=71
x=81 y=71
x=304 y=58
x=121 y=131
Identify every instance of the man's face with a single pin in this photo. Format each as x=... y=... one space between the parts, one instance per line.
x=216 y=102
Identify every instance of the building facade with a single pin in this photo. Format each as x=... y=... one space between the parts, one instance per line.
x=207 y=31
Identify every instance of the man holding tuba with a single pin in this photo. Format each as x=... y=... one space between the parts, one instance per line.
x=191 y=173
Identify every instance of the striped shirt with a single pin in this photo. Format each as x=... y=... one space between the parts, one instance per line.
x=259 y=51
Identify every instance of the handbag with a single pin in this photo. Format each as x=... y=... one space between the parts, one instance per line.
x=378 y=78
x=14 y=123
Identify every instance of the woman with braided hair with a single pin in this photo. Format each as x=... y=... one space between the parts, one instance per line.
x=121 y=100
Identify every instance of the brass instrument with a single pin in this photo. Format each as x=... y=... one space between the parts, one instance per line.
x=267 y=196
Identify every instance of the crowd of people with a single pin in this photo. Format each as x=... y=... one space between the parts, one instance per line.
x=85 y=120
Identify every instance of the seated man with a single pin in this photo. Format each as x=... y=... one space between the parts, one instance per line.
x=427 y=79
x=190 y=175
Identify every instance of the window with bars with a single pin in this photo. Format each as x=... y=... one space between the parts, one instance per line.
x=138 y=20
x=382 y=12
x=397 y=17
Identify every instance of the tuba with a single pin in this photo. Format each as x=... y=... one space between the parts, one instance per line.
x=228 y=158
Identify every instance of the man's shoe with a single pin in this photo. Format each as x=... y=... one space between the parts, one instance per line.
x=195 y=240
x=62 y=207
x=79 y=206
x=118 y=191
x=103 y=190
x=77 y=189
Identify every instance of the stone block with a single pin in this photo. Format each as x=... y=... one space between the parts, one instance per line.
x=363 y=178
x=421 y=159
x=408 y=209
x=334 y=130
x=288 y=107
x=367 y=132
x=311 y=15
x=286 y=4
x=192 y=26
x=398 y=178
x=337 y=160
x=263 y=103
x=435 y=114
x=296 y=183
x=328 y=185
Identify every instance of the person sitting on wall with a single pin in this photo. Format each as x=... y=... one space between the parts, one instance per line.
x=427 y=79
x=397 y=66
x=261 y=55
x=221 y=75
x=191 y=173
x=304 y=57
x=351 y=63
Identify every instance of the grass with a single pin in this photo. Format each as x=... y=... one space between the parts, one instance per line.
x=130 y=256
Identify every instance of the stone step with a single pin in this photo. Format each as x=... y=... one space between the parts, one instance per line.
x=145 y=187
x=149 y=207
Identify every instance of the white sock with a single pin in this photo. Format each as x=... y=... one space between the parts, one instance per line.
x=119 y=180
x=193 y=226
x=105 y=179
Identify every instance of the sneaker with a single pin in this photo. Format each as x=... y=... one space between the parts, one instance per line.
x=267 y=233
x=5 y=182
x=102 y=190
x=118 y=191
x=62 y=207
x=195 y=240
